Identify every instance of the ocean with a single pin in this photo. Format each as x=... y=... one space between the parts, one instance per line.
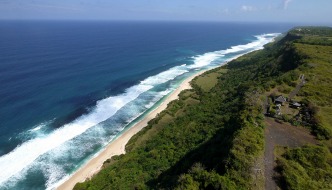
x=68 y=88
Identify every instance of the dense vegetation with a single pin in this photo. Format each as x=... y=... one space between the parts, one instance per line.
x=211 y=137
x=309 y=167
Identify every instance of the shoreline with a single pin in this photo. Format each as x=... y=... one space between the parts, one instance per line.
x=117 y=146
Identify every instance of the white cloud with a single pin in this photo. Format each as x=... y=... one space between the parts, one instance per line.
x=286 y=2
x=247 y=8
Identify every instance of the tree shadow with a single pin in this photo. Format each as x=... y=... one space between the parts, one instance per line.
x=212 y=155
x=278 y=178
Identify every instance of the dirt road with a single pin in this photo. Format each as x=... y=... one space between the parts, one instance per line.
x=277 y=134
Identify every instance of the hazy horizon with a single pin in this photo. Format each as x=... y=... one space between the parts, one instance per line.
x=275 y=11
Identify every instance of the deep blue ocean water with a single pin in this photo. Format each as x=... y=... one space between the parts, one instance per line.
x=68 y=88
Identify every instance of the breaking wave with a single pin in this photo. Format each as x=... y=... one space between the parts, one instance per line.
x=54 y=156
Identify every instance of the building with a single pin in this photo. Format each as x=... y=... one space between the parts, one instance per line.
x=295 y=105
x=280 y=100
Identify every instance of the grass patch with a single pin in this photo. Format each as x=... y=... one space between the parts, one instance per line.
x=147 y=133
x=208 y=80
x=324 y=115
x=279 y=151
x=186 y=94
x=191 y=101
x=318 y=89
x=308 y=167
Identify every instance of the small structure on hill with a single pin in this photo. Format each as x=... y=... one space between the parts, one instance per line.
x=295 y=105
x=278 y=109
x=280 y=100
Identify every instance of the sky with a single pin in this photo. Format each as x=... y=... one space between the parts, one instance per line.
x=304 y=11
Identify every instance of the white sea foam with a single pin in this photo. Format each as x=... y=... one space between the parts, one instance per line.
x=15 y=164
x=157 y=97
x=37 y=128
x=207 y=58
x=165 y=76
x=56 y=169
x=24 y=155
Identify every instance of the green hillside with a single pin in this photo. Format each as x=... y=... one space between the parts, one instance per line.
x=212 y=137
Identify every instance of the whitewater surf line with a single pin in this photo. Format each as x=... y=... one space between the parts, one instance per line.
x=15 y=164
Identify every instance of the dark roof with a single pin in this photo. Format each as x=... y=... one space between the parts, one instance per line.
x=280 y=99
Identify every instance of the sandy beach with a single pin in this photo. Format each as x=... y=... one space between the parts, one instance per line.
x=117 y=146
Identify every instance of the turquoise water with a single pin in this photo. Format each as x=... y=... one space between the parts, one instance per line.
x=69 y=88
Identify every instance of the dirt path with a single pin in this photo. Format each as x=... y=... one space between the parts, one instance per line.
x=297 y=88
x=277 y=134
